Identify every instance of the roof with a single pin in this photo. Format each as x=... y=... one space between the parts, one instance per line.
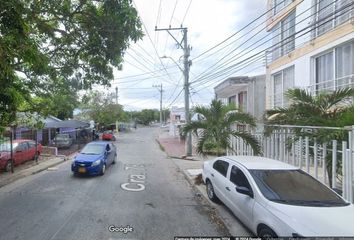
x=21 y=140
x=99 y=142
x=67 y=124
x=253 y=162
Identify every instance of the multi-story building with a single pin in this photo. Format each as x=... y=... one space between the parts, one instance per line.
x=312 y=48
x=247 y=93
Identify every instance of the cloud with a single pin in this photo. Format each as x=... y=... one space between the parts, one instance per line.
x=208 y=21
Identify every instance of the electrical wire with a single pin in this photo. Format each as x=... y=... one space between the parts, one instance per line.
x=315 y=24
x=201 y=76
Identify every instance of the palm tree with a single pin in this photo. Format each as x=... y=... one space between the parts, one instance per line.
x=215 y=127
x=330 y=109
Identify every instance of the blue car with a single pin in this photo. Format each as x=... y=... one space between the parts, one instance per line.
x=94 y=158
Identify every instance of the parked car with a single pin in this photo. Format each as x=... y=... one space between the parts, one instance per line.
x=108 y=135
x=273 y=198
x=94 y=158
x=23 y=150
x=62 y=140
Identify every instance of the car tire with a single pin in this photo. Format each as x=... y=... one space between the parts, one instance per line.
x=210 y=192
x=267 y=233
x=8 y=166
x=103 y=170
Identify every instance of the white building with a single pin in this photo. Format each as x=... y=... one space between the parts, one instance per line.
x=313 y=47
x=177 y=118
x=247 y=93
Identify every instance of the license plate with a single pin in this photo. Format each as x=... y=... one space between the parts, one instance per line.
x=82 y=170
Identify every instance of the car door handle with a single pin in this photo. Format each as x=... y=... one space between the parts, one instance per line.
x=212 y=174
x=227 y=188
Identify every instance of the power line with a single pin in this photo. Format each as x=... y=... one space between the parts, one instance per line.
x=147 y=33
x=190 y=3
x=232 y=35
x=210 y=69
x=173 y=12
x=286 y=40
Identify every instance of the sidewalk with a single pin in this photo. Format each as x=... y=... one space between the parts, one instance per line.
x=30 y=168
x=191 y=167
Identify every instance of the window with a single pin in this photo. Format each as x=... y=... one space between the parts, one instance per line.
x=221 y=167
x=335 y=69
x=31 y=144
x=278 y=5
x=324 y=72
x=284 y=37
x=242 y=101
x=22 y=147
x=232 y=99
x=238 y=178
x=294 y=187
x=331 y=13
x=282 y=81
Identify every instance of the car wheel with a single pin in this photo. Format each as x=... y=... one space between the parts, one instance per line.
x=103 y=170
x=210 y=191
x=8 y=166
x=267 y=233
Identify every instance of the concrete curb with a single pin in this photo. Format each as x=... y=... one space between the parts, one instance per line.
x=35 y=169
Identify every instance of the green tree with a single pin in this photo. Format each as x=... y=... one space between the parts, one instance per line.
x=100 y=107
x=215 y=127
x=45 y=42
x=329 y=109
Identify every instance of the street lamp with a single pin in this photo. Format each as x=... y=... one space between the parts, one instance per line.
x=174 y=62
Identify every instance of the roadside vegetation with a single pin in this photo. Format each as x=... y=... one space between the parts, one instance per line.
x=327 y=109
x=217 y=125
x=50 y=50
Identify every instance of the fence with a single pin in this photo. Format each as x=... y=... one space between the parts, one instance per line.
x=331 y=162
x=21 y=144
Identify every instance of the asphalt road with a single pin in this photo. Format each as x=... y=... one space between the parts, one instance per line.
x=143 y=194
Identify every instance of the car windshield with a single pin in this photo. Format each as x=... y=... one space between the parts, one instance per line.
x=6 y=147
x=93 y=149
x=62 y=136
x=294 y=187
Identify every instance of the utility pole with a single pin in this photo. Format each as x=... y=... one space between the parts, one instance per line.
x=117 y=95
x=187 y=64
x=117 y=130
x=159 y=88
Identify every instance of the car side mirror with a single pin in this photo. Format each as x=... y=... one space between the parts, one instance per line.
x=245 y=191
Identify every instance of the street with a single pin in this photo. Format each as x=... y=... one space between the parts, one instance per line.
x=143 y=196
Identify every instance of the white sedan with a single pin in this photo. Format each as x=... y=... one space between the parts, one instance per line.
x=275 y=199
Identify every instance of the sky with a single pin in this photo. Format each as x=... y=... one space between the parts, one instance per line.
x=209 y=22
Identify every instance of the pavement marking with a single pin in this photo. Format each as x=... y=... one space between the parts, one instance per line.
x=136 y=182
x=52 y=169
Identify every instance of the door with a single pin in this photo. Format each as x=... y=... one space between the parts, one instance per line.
x=20 y=153
x=218 y=178
x=241 y=204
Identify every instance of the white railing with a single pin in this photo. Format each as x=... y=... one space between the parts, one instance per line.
x=331 y=85
x=306 y=153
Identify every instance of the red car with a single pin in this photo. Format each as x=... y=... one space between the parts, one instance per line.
x=23 y=150
x=108 y=135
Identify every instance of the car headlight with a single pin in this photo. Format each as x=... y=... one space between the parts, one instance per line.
x=96 y=163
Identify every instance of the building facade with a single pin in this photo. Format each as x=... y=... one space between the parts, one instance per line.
x=247 y=93
x=312 y=48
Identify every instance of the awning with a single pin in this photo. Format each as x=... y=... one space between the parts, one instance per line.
x=67 y=124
